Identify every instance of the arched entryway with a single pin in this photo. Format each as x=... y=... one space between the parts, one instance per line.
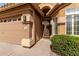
x=46 y=22
x=45 y=9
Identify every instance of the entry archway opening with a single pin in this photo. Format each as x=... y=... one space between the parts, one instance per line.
x=45 y=9
x=46 y=28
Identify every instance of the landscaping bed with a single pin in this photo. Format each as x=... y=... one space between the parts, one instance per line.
x=65 y=45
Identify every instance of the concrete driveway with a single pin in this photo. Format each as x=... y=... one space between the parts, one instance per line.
x=42 y=48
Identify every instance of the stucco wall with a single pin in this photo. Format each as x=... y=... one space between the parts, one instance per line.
x=38 y=26
x=61 y=29
x=61 y=25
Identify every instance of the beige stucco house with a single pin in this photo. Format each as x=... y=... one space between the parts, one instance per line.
x=20 y=24
x=27 y=23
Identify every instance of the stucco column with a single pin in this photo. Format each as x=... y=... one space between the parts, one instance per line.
x=26 y=42
x=53 y=27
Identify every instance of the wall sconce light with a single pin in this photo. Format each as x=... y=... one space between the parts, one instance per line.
x=25 y=20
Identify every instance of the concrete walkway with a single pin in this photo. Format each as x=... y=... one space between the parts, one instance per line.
x=42 y=48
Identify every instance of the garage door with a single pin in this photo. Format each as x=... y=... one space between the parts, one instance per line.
x=12 y=32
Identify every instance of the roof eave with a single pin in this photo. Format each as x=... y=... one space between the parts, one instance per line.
x=50 y=12
x=37 y=8
x=57 y=8
x=12 y=7
x=19 y=4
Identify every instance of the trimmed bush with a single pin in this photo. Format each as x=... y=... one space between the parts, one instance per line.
x=65 y=45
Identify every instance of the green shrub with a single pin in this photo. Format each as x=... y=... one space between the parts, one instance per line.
x=65 y=45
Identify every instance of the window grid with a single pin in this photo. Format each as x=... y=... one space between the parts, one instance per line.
x=9 y=20
x=72 y=22
x=69 y=24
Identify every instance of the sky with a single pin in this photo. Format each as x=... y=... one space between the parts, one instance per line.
x=2 y=4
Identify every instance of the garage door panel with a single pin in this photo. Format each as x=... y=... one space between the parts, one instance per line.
x=12 y=32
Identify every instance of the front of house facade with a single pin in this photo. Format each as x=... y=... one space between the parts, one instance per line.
x=27 y=23
x=67 y=20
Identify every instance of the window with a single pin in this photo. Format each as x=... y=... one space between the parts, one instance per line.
x=24 y=18
x=77 y=9
x=1 y=21
x=19 y=19
x=9 y=20
x=70 y=10
x=72 y=24
x=72 y=21
x=69 y=24
x=14 y=19
x=5 y=20
x=76 y=24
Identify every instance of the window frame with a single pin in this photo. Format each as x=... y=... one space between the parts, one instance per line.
x=72 y=32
